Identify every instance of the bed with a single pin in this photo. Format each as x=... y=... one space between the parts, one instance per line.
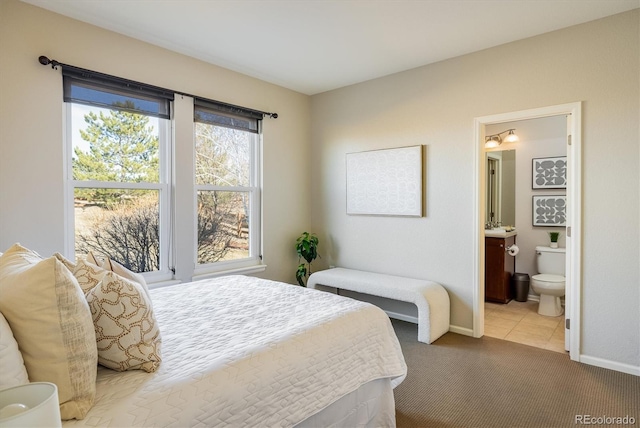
x=244 y=351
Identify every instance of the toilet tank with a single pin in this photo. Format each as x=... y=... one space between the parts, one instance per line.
x=551 y=260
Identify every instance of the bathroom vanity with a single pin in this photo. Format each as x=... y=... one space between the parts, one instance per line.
x=499 y=266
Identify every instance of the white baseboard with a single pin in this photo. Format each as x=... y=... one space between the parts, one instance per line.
x=608 y=364
x=461 y=330
x=408 y=318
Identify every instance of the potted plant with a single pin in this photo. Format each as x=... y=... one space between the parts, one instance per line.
x=553 y=237
x=307 y=249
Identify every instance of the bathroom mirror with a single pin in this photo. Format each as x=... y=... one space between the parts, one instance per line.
x=501 y=189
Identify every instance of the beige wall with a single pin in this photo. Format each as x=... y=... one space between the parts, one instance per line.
x=595 y=63
x=31 y=126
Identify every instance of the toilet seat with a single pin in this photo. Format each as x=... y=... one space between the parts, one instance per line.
x=550 y=278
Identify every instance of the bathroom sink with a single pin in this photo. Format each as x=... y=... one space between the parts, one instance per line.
x=499 y=232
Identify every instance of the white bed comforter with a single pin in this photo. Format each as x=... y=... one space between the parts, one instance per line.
x=243 y=351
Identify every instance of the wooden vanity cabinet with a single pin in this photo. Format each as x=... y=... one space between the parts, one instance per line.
x=499 y=266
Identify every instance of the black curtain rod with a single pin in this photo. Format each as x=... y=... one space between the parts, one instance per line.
x=54 y=65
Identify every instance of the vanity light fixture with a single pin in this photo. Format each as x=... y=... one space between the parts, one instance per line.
x=493 y=141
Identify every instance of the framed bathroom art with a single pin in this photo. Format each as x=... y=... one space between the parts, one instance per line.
x=549 y=173
x=549 y=210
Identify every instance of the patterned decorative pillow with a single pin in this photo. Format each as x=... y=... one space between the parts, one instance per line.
x=117 y=268
x=14 y=372
x=88 y=275
x=51 y=321
x=91 y=258
x=127 y=333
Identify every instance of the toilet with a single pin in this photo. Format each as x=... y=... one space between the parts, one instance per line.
x=549 y=283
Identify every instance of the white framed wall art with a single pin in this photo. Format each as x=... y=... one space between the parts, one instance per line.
x=386 y=182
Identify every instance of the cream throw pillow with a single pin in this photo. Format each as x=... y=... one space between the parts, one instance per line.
x=12 y=369
x=65 y=261
x=127 y=333
x=51 y=322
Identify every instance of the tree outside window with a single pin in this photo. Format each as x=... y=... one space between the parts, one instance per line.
x=222 y=176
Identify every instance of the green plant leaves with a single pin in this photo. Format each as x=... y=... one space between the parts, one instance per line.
x=307 y=249
x=301 y=273
x=553 y=236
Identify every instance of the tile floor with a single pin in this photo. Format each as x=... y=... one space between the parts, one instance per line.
x=520 y=322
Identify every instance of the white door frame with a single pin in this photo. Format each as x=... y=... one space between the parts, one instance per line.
x=574 y=214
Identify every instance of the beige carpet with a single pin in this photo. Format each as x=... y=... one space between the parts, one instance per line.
x=460 y=381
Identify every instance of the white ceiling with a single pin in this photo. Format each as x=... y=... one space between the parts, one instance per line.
x=312 y=46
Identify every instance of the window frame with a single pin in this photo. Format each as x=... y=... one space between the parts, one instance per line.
x=253 y=263
x=163 y=186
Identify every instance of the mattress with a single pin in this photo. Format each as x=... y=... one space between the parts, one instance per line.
x=244 y=351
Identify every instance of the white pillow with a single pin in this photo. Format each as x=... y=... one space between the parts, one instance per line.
x=51 y=322
x=11 y=363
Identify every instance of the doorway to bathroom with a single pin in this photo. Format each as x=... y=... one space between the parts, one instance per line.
x=500 y=207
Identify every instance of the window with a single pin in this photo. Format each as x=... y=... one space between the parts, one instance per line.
x=226 y=185
x=120 y=179
x=117 y=171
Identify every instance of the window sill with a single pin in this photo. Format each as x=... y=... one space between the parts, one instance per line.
x=161 y=284
x=246 y=270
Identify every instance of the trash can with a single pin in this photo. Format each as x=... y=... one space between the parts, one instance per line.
x=521 y=285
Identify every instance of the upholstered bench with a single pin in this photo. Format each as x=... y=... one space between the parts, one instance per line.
x=430 y=297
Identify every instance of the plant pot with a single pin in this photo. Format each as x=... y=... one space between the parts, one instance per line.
x=554 y=245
